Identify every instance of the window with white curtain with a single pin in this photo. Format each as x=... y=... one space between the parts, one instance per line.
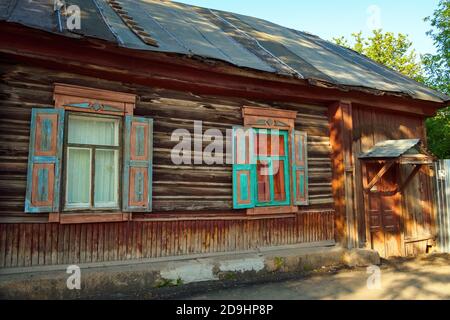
x=92 y=162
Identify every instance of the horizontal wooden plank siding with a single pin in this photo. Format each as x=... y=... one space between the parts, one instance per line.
x=31 y=244
x=175 y=187
x=29 y=239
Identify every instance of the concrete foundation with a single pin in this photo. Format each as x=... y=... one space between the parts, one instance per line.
x=142 y=279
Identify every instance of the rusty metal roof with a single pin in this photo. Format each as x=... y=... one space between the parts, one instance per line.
x=243 y=41
x=392 y=149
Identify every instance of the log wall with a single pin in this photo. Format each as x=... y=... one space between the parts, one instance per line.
x=175 y=187
x=30 y=240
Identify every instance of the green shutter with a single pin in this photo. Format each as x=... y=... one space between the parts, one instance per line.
x=244 y=168
x=44 y=160
x=300 y=167
x=137 y=166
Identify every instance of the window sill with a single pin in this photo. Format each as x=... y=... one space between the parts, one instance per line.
x=92 y=217
x=271 y=210
x=235 y=215
x=76 y=210
x=77 y=218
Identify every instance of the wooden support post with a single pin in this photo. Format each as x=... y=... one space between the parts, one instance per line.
x=413 y=173
x=364 y=176
x=343 y=184
x=378 y=176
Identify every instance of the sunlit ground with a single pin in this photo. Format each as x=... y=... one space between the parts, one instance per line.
x=421 y=278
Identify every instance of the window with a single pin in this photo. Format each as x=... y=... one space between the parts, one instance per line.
x=269 y=162
x=92 y=162
x=272 y=167
x=89 y=154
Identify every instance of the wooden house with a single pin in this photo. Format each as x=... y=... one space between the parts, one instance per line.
x=92 y=110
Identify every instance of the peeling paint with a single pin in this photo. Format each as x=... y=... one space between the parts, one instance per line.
x=192 y=272
x=242 y=265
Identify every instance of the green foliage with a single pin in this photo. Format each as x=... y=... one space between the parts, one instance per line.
x=230 y=276
x=308 y=268
x=279 y=263
x=393 y=51
x=396 y=53
x=438 y=131
x=437 y=67
x=162 y=283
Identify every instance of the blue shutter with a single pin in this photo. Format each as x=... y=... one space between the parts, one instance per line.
x=300 y=167
x=137 y=166
x=44 y=160
x=244 y=168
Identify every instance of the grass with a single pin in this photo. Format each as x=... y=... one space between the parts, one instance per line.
x=162 y=283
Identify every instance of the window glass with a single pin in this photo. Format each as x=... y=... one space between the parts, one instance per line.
x=94 y=131
x=271 y=167
x=92 y=177
x=278 y=180
x=106 y=171
x=262 y=169
x=262 y=143
x=268 y=144
x=78 y=177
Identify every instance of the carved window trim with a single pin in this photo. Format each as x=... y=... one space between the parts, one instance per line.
x=271 y=118
x=101 y=102
x=90 y=100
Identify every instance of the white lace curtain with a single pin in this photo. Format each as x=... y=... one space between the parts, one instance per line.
x=89 y=133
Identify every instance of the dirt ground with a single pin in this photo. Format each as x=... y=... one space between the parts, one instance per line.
x=425 y=277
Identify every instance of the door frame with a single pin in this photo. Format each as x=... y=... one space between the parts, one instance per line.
x=387 y=165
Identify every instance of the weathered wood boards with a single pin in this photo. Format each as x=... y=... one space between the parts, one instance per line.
x=416 y=207
x=137 y=175
x=43 y=180
x=28 y=240
x=175 y=187
x=32 y=244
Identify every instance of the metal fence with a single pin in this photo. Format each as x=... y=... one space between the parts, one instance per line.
x=443 y=203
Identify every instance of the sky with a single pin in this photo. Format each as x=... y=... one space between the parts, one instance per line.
x=334 y=18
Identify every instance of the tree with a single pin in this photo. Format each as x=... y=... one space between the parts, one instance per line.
x=438 y=133
x=393 y=51
x=437 y=70
x=437 y=67
x=396 y=52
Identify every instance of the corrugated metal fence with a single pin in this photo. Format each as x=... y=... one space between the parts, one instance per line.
x=443 y=203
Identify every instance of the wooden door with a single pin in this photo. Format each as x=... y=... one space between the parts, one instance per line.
x=384 y=213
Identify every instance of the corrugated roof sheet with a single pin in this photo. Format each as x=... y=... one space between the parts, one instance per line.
x=240 y=40
x=391 y=148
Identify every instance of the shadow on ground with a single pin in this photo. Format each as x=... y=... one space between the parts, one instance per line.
x=424 y=277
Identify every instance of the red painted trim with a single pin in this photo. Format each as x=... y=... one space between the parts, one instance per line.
x=62 y=89
x=38 y=136
x=133 y=202
x=300 y=161
x=133 y=155
x=65 y=94
x=50 y=183
x=299 y=196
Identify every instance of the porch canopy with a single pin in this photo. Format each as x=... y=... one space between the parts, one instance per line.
x=390 y=152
